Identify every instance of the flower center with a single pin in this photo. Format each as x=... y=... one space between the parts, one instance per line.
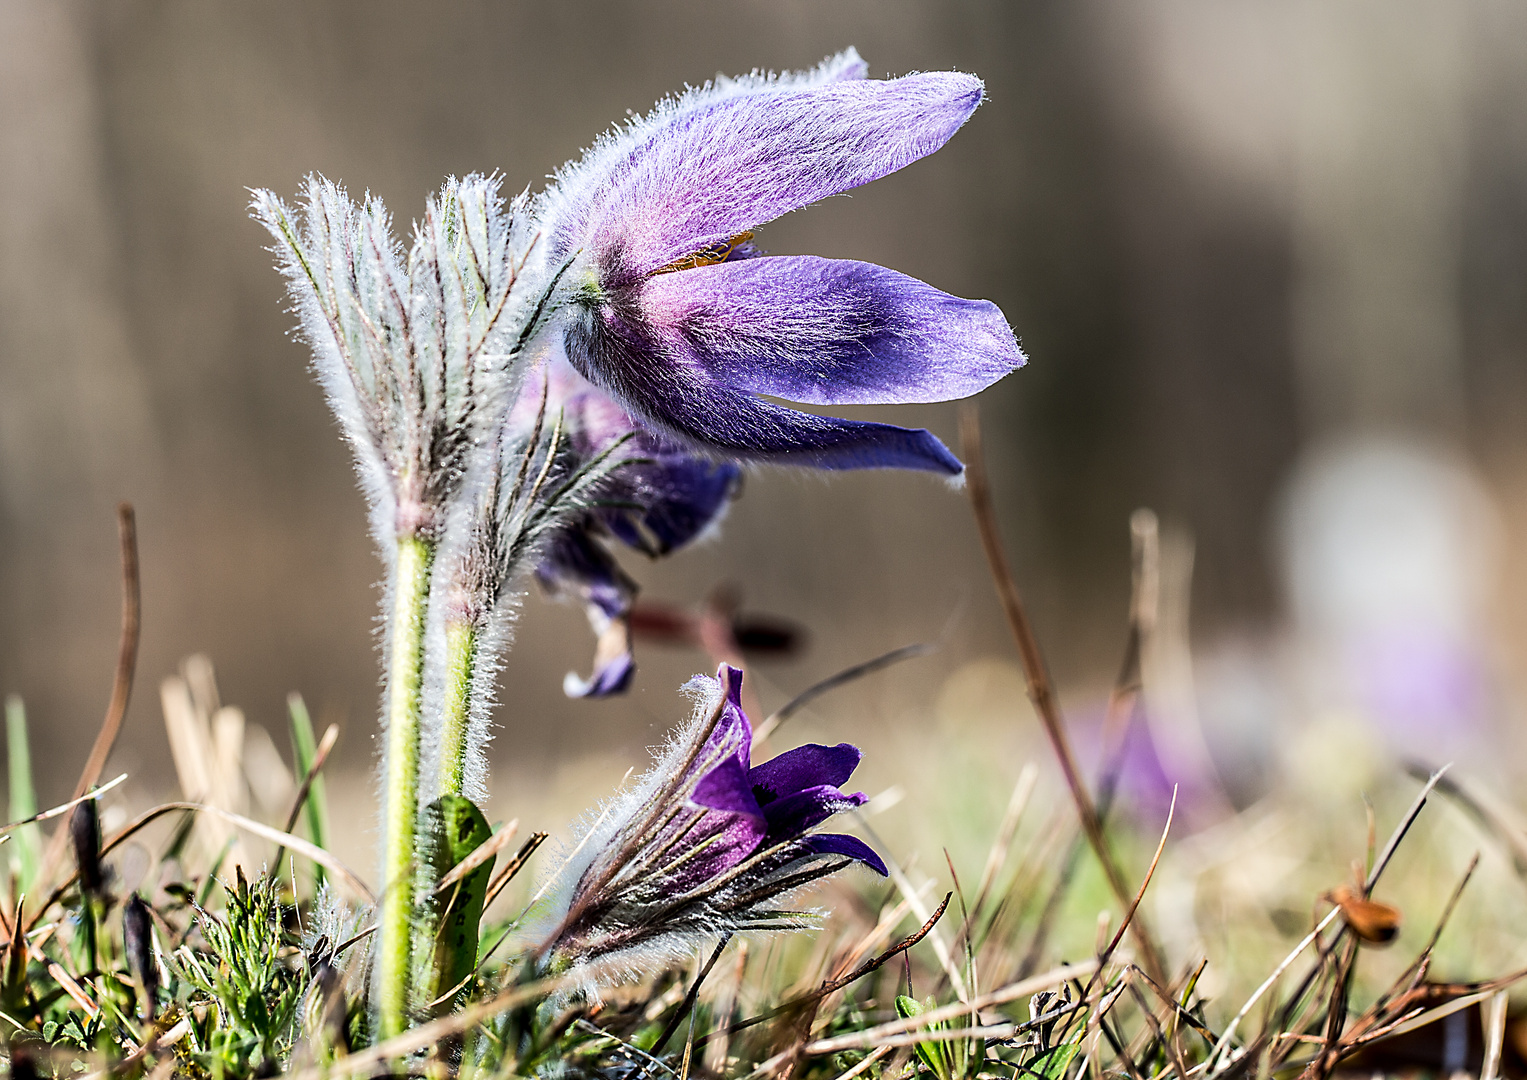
x=707 y=256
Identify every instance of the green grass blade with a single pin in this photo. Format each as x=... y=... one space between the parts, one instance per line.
x=304 y=749
x=23 y=804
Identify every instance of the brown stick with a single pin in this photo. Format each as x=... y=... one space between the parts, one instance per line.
x=1041 y=691
x=122 y=683
x=127 y=653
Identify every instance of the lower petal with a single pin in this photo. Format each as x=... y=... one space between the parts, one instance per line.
x=659 y=381
x=848 y=846
x=831 y=331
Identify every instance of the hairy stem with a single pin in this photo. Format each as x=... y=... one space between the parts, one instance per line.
x=456 y=706
x=401 y=794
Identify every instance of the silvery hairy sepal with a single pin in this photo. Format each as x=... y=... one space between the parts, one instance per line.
x=416 y=352
x=540 y=481
x=705 y=844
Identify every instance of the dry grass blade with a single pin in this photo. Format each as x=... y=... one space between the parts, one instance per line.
x=1502 y=821
x=1267 y=984
x=127 y=653
x=996 y=857
x=1495 y=1036
x=1040 y=689
x=320 y=758
x=122 y=681
x=516 y=864
x=832 y=682
x=689 y=1000
x=873 y=1036
x=63 y=808
x=940 y=947
x=869 y=1059
x=296 y=843
x=1163 y=1039
x=1398 y=835
x=417 y=1038
x=832 y=986
x=1145 y=883
x=484 y=852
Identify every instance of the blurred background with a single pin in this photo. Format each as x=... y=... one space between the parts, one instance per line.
x=1268 y=258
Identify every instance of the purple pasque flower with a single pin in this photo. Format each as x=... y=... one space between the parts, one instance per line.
x=659 y=498
x=705 y=843
x=672 y=312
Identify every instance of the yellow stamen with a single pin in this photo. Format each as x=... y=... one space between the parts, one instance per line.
x=707 y=256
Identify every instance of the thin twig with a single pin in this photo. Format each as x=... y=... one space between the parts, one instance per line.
x=127 y=653
x=320 y=757
x=1041 y=691
x=689 y=998
x=122 y=682
x=832 y=682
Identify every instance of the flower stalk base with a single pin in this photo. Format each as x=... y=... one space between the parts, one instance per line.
x=401 y=791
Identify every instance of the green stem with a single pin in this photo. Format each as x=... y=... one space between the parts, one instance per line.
x=401 y=792
x=460 y=661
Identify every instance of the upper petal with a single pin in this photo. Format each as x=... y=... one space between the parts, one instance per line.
x=732 y=737
x=809 y=766
x=830 y=331
x=695 y=174
x=726 y=788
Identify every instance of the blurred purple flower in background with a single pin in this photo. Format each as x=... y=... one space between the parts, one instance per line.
x=675 y=314
x=704 y=843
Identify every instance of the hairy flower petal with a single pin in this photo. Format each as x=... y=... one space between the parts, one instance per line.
x=697 y=173
x=829 y=331
x=793 y=814
x=804 y=767
x=850 y=847
x=664 y=384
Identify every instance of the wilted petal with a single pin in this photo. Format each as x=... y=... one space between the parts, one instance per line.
x=829 y=331
x=575 y=562
x=675 y=497
x=701 y=170
x=614 y=666
x=804 y=767
x=848 y=846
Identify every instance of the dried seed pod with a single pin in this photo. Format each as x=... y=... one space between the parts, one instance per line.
x=138 y=939
x=85 y=834
x=1373 y=922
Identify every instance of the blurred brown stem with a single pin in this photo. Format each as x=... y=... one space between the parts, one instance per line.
x=127 y=653
x=1041 y=691
x=122 y=684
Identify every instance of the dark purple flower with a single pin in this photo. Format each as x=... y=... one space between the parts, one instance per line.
x=706 y=843
x=675 y=315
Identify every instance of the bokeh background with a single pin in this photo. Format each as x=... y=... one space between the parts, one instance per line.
x=1268 y=257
